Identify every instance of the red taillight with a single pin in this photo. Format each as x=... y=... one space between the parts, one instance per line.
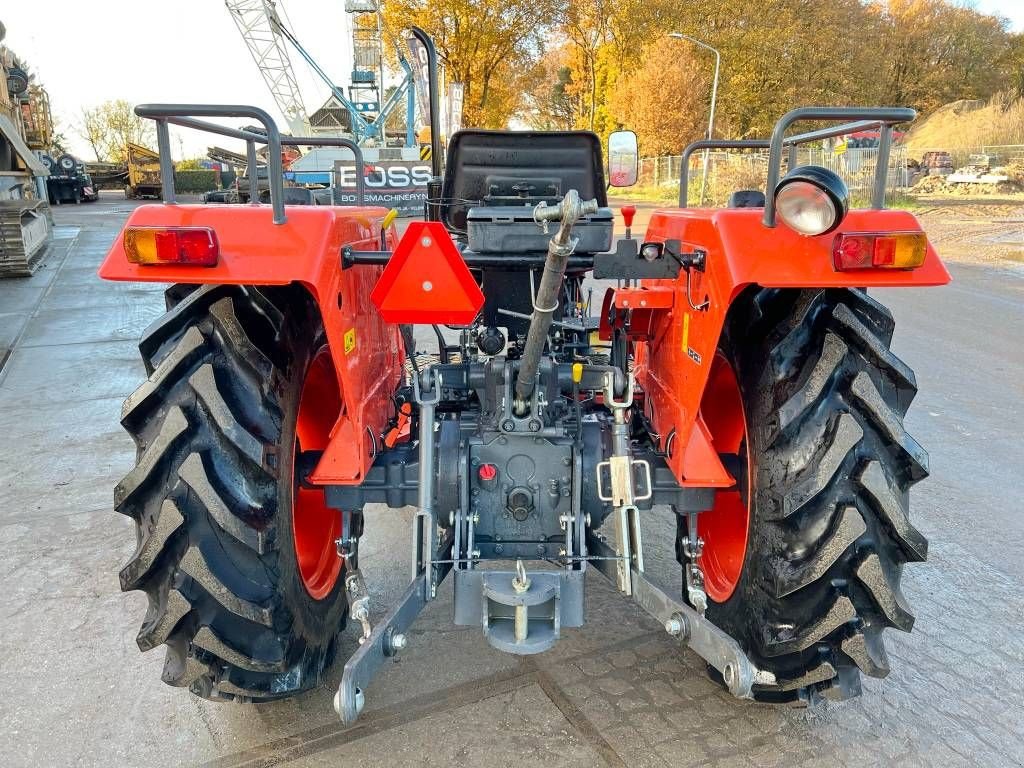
x=887 y=250
x=191 y=246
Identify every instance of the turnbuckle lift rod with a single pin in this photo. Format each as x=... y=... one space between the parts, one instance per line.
x=623 y=495
x=624 y=564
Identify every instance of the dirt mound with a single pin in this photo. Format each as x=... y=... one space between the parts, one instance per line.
x=968 y=124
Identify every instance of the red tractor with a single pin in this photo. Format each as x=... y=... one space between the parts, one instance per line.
x=740 y=373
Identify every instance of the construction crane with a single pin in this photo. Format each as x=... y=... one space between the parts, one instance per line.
x=266 y=34
x=254 y=21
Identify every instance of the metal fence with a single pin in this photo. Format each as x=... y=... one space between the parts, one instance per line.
x=729 y=171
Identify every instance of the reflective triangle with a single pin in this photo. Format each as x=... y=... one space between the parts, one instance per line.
x=426 y=280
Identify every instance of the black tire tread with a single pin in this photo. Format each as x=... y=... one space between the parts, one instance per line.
x=152 y=457
x=194 y=565
x=209 y=641
x=885 y=499
x=826 y=399
x=194 y=475
x=151 y=545
x=841 y=612
x=792 y=575
x=203 y=493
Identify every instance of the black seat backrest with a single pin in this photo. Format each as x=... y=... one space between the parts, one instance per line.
x=298 y=196
x=292 y=196
x=500 y=167
x=747 y=198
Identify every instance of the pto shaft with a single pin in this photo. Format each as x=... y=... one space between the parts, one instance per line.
x=560 y=248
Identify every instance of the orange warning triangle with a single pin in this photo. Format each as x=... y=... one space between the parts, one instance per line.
x=426 y=280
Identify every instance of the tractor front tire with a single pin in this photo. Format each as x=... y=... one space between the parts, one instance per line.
x=826 y=466
x=215 y=498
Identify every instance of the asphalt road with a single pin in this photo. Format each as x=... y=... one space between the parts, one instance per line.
x=618 y=692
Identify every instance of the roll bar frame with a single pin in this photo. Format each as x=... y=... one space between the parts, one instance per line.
x=855 y=119
x=184 y=115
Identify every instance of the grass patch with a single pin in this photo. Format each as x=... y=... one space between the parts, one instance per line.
x=649 y=193
x=899 y=200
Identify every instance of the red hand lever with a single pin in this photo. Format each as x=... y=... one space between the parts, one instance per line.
x=628 y=212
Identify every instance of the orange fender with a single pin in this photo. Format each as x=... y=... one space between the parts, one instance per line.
x=673 y=353
x=367 y=352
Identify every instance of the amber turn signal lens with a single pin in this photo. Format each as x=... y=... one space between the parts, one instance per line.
x=887 y=250
x=182 y=246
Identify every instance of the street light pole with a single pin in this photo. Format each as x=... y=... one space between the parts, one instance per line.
x=714 y=98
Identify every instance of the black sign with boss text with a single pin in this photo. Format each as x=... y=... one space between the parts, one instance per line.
x=397 y=184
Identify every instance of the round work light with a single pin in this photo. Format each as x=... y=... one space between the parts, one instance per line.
x=812 y=200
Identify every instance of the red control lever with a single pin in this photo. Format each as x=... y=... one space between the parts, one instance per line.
x=628 y=212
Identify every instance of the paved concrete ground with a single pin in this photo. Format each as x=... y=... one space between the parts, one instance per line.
x=619 y=692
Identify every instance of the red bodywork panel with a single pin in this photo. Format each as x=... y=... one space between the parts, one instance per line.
x=367 y=352
x=674 y=344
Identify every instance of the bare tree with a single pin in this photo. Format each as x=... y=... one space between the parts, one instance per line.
x=93 y=128
x=111 y=127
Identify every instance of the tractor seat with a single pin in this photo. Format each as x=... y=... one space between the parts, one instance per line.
x=292 y=196
x=747 y=198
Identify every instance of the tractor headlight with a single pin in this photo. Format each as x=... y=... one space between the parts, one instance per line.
x=812 y=200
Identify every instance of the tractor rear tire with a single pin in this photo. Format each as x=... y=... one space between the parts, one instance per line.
x=213 y=493
x=826 y=506
x=177 y=293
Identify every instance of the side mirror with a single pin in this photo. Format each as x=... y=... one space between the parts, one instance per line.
x=623 y=159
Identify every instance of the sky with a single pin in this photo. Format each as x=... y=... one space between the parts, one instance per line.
x=1011 y=9
x=86 y=53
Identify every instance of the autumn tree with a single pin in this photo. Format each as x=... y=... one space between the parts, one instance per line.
x=111 y=126
x=491 y=46
x=587 y=25
x=551 y=102
x=604 y=39
x=1013 y=62
x=932 y=52
x=778 y=54
x=664 y=100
